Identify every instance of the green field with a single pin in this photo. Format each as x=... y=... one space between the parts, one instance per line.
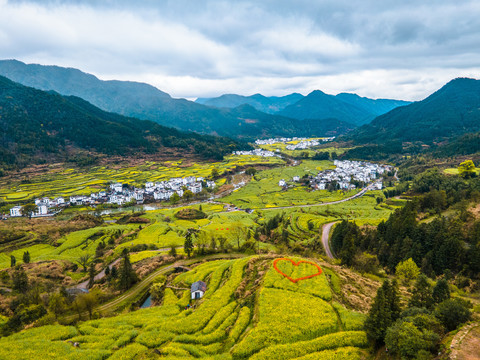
x=282 y=148
x=278 y=320
x=67 y=182
x=263 y=190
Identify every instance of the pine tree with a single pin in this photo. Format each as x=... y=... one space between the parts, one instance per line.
x=441 y=291
x=91 y=274
x=127 y=275
x=393 y=300
x=421 y=293
x=13 y=261
x=114 y=272
x=188 y=244
x=379 y=317
x=348 y=251
x=26 y=257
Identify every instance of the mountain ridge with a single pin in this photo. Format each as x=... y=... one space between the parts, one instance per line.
x=451 y=111
x=40 y=126
x=146 y=102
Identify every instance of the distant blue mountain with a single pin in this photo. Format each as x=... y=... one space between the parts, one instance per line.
x=269 y=105
x=143 y=101
x=346 y=107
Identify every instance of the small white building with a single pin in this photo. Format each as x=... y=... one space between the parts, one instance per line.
x=195 y=188
x=117 y=187
x=379 y=185
x=42 y=209
x=16 y=211
x=296 y=178
x=138 y=196
x=282 y=183
x=198 y=289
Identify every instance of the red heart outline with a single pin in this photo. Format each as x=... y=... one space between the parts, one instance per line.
x=296 y=264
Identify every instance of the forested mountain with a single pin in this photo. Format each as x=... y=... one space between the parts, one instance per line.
x=269 y=105
x=346 y=107
x=38 y=126
x=449 y=112
x=147 y=102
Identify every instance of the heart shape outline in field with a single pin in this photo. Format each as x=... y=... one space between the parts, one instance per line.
x=296 y=264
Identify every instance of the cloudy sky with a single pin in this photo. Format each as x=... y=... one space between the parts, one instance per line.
x=191 y=48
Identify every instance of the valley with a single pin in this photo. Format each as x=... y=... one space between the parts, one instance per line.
x=139 y=226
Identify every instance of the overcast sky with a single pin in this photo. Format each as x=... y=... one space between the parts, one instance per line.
x=199 y=48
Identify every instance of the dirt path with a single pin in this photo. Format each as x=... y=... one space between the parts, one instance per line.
x=466 y=343
x=99 y=276
x=142 y=286
x=325 y=237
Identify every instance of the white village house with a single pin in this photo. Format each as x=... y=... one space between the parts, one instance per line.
x=198 y=289
x=16 y=211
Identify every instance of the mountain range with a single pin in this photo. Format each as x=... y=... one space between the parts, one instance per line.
x=346 y=107
x=269 y=105
x=38 y=126
x=232 y=118
x=451 y=111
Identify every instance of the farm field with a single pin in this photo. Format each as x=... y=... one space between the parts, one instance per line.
x=66 y=182
x=221 y=325
x=263 y=190
x=164 y=230
x=282 y=147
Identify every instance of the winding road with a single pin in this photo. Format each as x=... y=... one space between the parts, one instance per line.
x=357 y=195
x=325 y=237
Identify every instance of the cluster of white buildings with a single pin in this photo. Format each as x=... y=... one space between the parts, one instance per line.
x=285 y=140
x=118 y=194
x=257 y=152
x=304 y=144
x=345 y=174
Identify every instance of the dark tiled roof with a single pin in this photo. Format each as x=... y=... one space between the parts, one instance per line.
x=199 y=285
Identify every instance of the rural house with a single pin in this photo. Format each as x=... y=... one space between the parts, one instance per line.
x=16 y=211
x=198 y=289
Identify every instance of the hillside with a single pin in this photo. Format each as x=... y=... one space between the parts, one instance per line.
x=449 y=112
x=345 y=107
x=146 y=102
x=269 y=105
x=37 y=126
x=239 y=317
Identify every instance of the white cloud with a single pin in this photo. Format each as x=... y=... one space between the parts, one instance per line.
x=190 y=48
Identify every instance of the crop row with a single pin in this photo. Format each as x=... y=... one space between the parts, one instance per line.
x=317 y=285
x=287 y=316
x=300 y=348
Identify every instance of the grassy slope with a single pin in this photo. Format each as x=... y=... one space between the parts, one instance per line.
x=236 y=319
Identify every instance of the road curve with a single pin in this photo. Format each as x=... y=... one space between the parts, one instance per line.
x=325 y=237
x=357 y=195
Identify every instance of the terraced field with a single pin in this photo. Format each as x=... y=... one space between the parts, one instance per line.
x=282 y=147
x=67 y=182
x=263 y=191
x=237 y=319
x=70 y=247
